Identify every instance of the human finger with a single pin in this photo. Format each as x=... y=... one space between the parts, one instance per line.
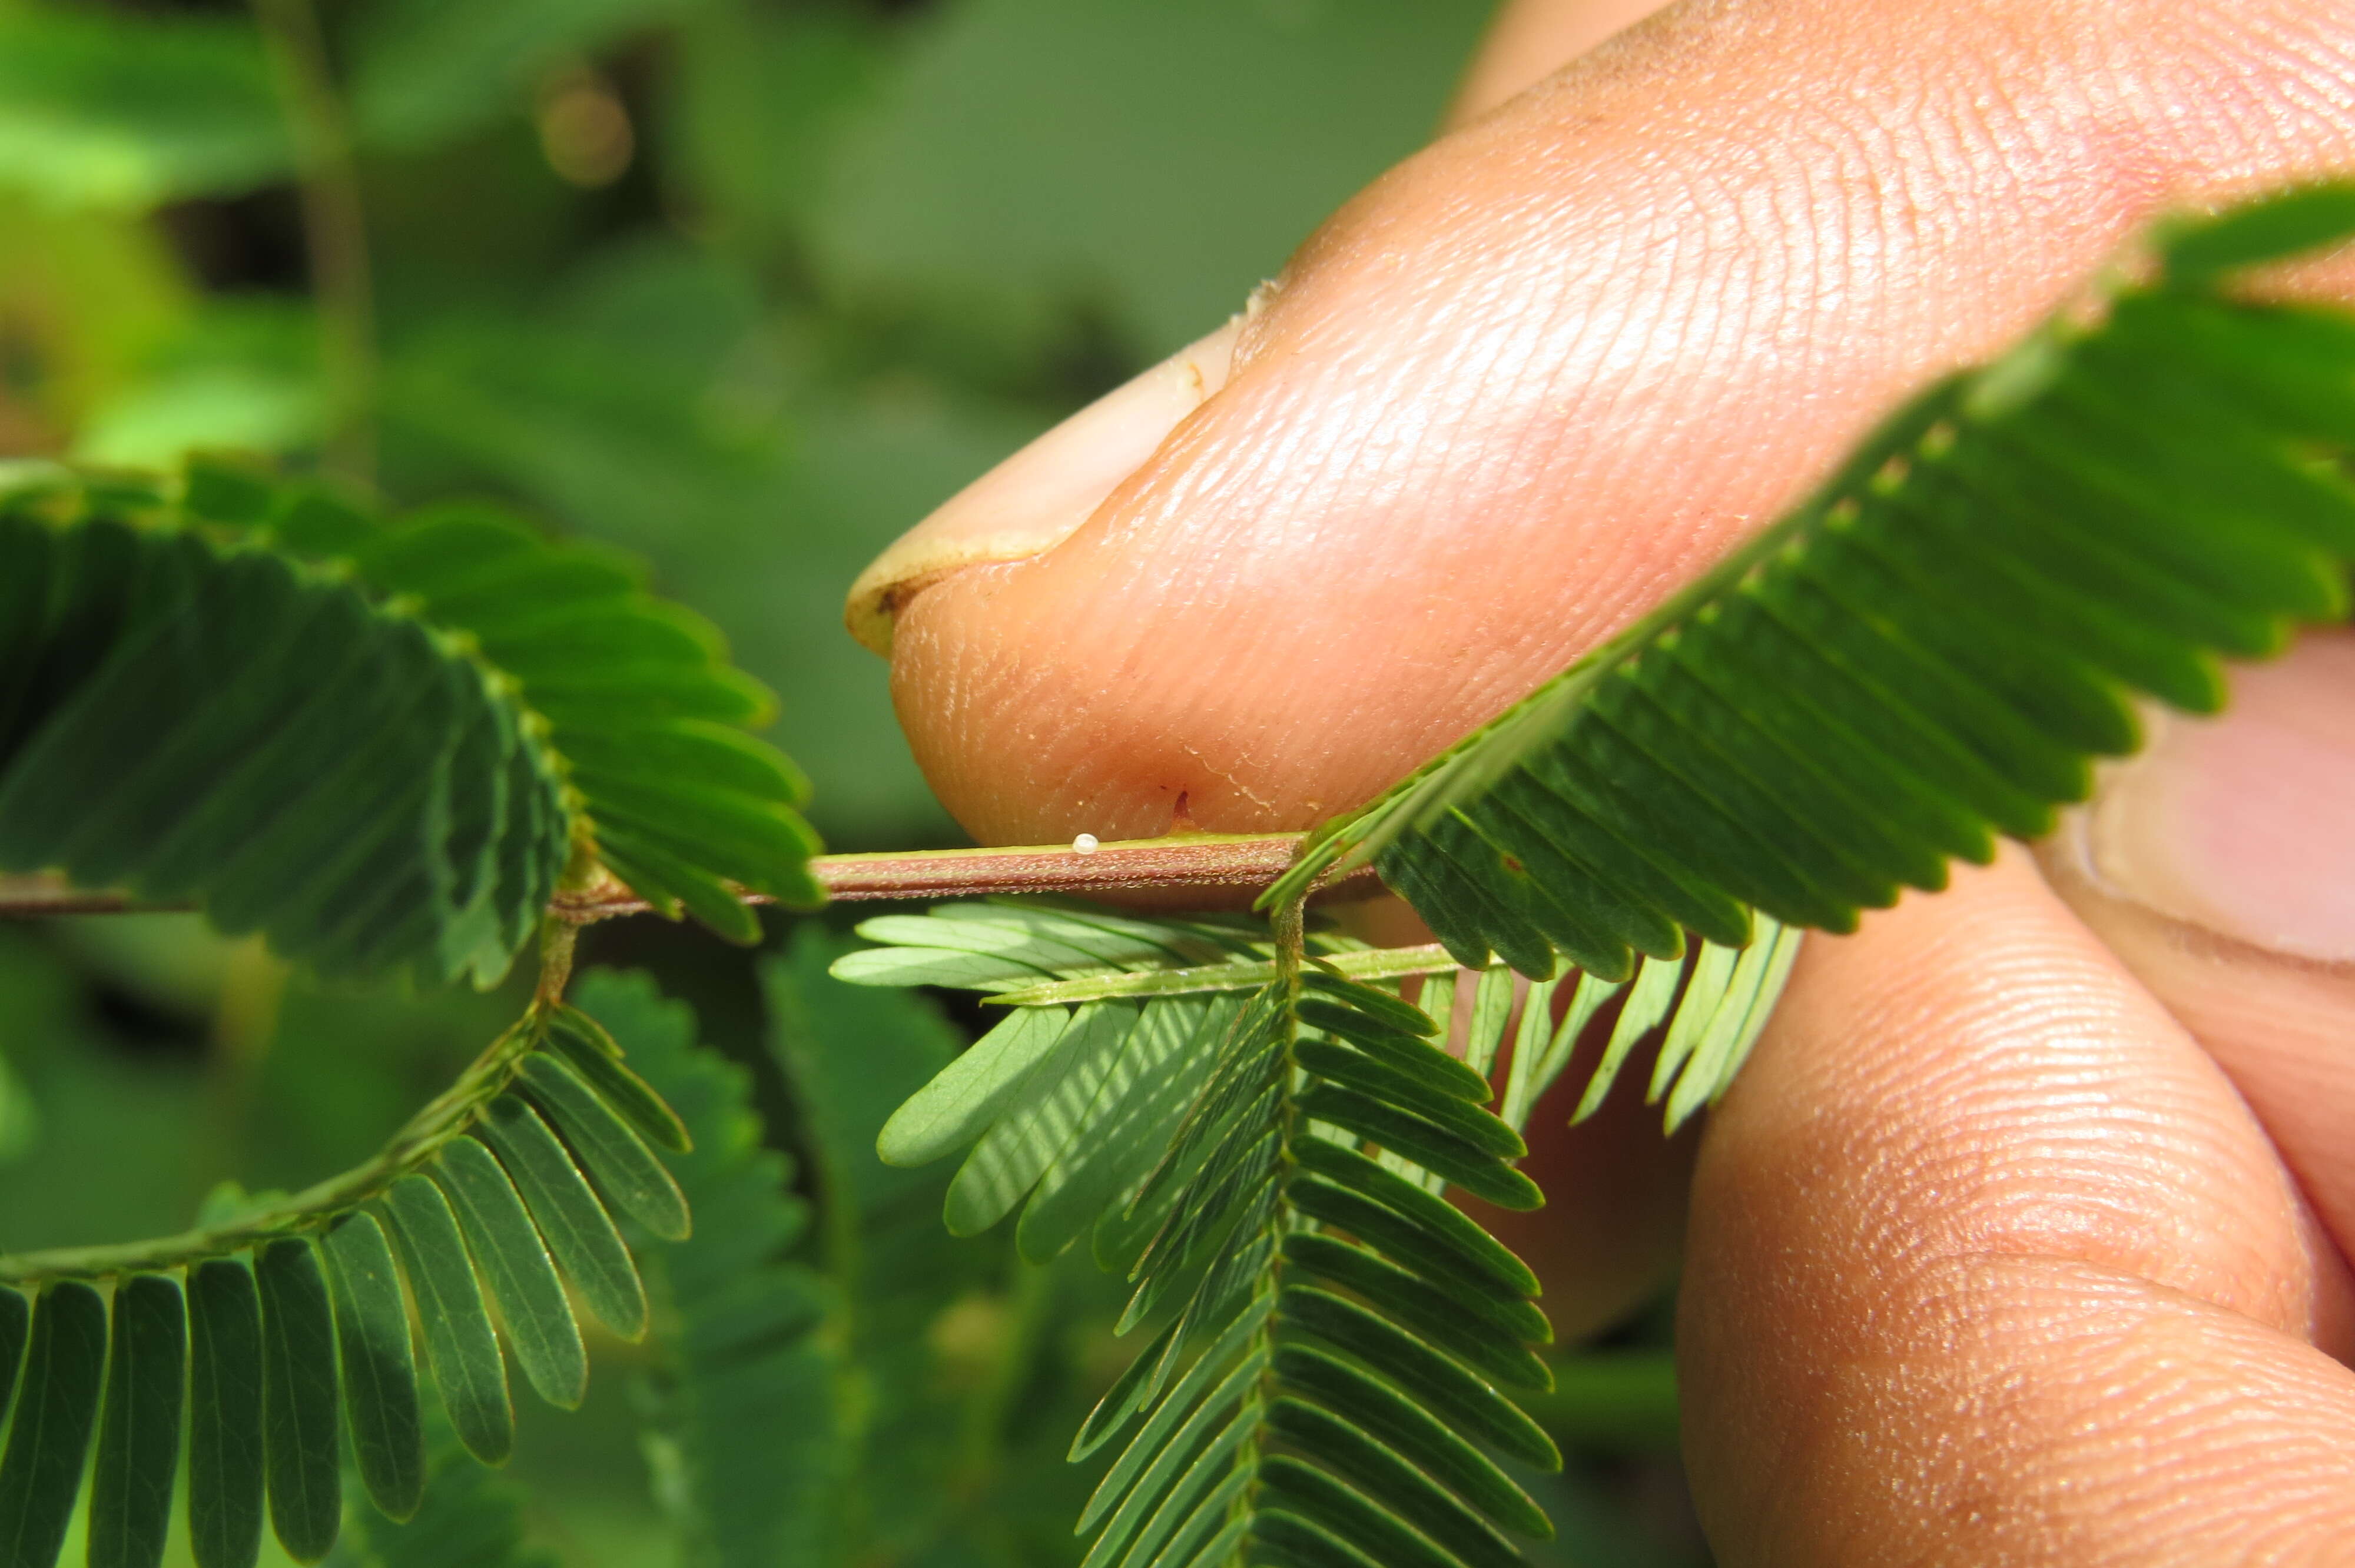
x=2220 y=866
x=1554 y=364
x=1990 y=1263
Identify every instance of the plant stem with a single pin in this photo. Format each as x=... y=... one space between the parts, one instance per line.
x=335 y=231
x=1195 y=863
x=449 y=1115
x=1369 y=963
x=47 y=895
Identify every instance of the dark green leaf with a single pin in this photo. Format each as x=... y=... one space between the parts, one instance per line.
x=139 y=1432
x=2198 y=252
x=1287 y=1483
x=1408 y=1223
x=379 y=1365
x=49 y=1437
x=225 y=1403
x=1423 y=1372
x=580 y=1234
x=1123 y=1398
x=298 y=1399
x=1441 y=1153
x=1229 y=1184
x=1930 y=649
x=1372 y=1076
x=1379 y=1006
x=1282 y=1539
x=271 y=743
x=459 y=1343
x=1383 y=1472
x=15 y=1323
x=583 y=1043
x=1187 y=1548
x=1434 y=1446
x=1177 y=1404
x=1459 y=1322
x=1186 y=1466
x=624 y=1169
x=1403 y=1052
x=514 y=1259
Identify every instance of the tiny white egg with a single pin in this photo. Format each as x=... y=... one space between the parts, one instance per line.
x=1084 y=844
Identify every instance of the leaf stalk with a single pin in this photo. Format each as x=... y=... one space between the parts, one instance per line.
x=447 y=1115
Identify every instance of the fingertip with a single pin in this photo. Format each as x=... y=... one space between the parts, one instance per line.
x=1046 y=491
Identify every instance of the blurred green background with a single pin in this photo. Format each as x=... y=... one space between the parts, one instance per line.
x=744 y=287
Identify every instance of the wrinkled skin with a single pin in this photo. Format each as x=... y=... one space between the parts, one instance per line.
x=2024 y=1236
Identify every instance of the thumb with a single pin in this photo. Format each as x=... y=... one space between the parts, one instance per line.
x=2239 y=826
x=2219 y=866
x=1544 y=371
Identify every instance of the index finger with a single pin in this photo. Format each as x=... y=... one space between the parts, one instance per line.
x=1548 y=369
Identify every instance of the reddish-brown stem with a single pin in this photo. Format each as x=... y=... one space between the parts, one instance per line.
x=1207 y=864
x=1201 y=862
x=44 y=896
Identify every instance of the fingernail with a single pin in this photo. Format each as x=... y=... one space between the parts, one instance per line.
x=1039 y=496
x=2245 y=824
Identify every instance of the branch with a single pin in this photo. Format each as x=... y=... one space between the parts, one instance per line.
x=50 y=895
x=1201 y=862
x=450 y=1114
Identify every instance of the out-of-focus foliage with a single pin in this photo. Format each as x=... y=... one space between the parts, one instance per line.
x=845 y=256
x=744 y=286
x=105 y=110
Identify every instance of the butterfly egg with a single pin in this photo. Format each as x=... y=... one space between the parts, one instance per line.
x=1084 y=844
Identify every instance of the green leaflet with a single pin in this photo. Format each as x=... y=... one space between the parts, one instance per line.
x=1435 y=1148
x=1180 y=1399
x=298 y=1399
x=1420 y=1371
x=379 y=742
x=967 y=1097
x=57 y=1405
x=1376 y=1406
x=1927 y=652
x=1384 y=1473
x=1141 y=1102
x=508 y=1251
x=640 y=683
x=583 y=1044
x=616 y=1159
x=268 y=1360
x=579 y=1235
x=266 y=741
x=139 y=1431
x=459 y=1343
x=379 y=1370
x=1460 y=1321
x=225 y=1446
x=1222 y=1127
x=1039 y=1116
